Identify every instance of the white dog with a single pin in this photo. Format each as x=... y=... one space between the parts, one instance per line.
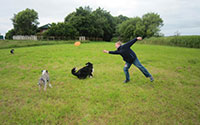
x=44 y=79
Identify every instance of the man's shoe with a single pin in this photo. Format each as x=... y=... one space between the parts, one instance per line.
x=151 y=79
x=126 y=81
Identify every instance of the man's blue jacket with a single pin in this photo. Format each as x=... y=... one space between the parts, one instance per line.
x=126 y=52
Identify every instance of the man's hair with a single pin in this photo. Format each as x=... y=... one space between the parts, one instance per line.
x=119 y=42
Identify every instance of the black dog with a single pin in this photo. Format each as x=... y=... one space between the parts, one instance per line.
x=12 y=51
x=84 y=72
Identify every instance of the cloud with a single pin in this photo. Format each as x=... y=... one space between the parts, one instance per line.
x=180 y=15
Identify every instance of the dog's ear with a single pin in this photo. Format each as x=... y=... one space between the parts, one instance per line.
x=89 y=63
x=47 y=71
x=41 y=70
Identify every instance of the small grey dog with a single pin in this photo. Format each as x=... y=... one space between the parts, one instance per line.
x=44 y=79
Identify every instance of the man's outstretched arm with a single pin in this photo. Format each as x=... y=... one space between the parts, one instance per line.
x=111 y=52
x=131 y=42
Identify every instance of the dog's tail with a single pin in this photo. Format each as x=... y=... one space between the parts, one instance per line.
x=74 y=71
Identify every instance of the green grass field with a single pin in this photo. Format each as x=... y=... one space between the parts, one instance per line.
x=173 y=98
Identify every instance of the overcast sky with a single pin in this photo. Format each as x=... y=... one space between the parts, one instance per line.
x=181 y=16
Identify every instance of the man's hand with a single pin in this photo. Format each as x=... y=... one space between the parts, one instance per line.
x=139 y=38
x=105 y=51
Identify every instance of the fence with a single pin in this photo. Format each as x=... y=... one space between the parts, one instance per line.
x=80 y=38
x=94 y=38
x=33 y=37
x=20 y=37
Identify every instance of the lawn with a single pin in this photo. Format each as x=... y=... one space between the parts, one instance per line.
x=173 y=98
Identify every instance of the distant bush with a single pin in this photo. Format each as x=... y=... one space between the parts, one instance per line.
x=10 y=34
x=115 y=39
x=182 y=41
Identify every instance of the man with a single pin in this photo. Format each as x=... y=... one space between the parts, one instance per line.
x=130 y=58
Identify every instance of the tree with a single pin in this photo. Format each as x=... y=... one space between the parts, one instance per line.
x=98 y=23
x=69 y=17
x=105 y=24
x=131 y=28
x=147 y=26
x=119 y=19
x=25 y=22
x=62 y=30
x=82 y=20
x=10 y=34
x=152 y=23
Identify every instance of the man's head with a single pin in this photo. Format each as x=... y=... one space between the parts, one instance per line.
x=118 y=44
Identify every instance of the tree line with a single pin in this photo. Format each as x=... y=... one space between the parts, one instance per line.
x=86 y=22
